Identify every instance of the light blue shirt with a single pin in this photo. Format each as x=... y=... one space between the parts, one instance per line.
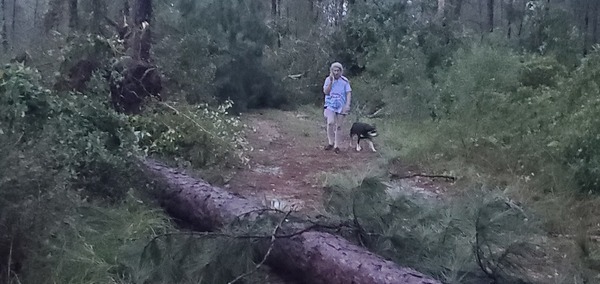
x=337 y=97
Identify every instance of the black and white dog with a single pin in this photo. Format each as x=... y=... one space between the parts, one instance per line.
x=362 y=131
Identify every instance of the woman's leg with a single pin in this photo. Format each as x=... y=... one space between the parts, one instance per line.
x=330 y=118
x=339 y=121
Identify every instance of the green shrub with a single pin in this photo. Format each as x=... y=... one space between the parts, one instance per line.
x=56 y=151
x=463 y=239
x=192 y=134
x=541 y=71
x=214 y=50
x=580 y=124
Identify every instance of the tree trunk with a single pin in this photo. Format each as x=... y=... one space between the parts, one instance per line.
x=73 y=17
x=457 y=9
x=586 y=29
x=314 y=257
x=54 y=15
x=14 y=17
x=35 y=12
x=3 y=33
x=595 y=23
x=274 y=8
x=140 y=78
x=142 y=35
x=340 y=11
x=491 y=15
x=279 y=8
x=510 y=13
x=441 y=6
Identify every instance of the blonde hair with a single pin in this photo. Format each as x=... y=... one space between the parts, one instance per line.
x=338 y=65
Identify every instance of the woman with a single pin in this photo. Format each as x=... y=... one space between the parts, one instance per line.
x=338 y=94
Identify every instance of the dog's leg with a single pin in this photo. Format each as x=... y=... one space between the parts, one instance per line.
x=358 y=148
x=371 y=145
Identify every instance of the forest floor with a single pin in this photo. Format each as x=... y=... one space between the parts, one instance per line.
x=288 y=165
x=289 y=168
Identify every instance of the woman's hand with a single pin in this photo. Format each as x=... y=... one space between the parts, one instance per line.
x=346 y=109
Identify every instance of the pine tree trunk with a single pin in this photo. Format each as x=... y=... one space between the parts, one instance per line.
x=586 y=28
x=3 y=33
x=441 y=6
x=73 y=17
x=142 y=35
x=491 y=15
x=509 y=18
x=520 y=30
x=14 y=17
x=595 y=23
x=315 y=257
x=35 y=12
x=140 y=77
x=457 y=9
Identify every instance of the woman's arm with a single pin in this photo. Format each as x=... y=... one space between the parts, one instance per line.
x=328 y=84
x=348 y=100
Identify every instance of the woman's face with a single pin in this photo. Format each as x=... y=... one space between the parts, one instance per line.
x=337 y=72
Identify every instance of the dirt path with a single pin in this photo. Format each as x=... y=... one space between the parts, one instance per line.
x=288 y=161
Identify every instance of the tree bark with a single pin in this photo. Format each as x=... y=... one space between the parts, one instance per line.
x=510 y=13
x=441 y=6
x=73 y=17
x=3 y=33
x=457 y=9
x=142 y=35
x=586 y=28
x=491 y=15
x=315 y=257
x=53 y=16
x=14 y=17
x=595 y=23
x=35 y=12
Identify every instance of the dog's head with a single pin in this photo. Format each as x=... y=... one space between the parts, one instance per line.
x=372 y=133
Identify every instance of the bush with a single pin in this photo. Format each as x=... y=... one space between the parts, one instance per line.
x=56 y=150
x=464 y=239
x=580 y=124
x=218 y=54
x=194 y=135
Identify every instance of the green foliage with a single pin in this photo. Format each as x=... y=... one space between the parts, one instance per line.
x=400 y=73
x=195 y=135
x=581 y=125
x=550 y=32
x=541 y=71
x=464 y=239
x=371 y=24
x=25 y=105
x=57 y=150
x=68 y=175
x=478 y=82
x=191 y=258
x=94 y=244
x=219 y=53
x=81 y=135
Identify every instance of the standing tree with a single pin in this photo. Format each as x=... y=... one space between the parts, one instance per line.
x=3 y=32
x=490 y=15
x=140 y=78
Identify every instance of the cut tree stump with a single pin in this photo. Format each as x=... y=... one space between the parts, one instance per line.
x=312 y=256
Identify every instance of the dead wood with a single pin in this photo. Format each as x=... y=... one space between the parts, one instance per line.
x=311 y=256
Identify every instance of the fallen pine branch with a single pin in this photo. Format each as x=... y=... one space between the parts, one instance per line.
x=397 y=176
x=310 y=255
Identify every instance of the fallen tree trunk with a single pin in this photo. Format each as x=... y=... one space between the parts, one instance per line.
x=313 y=256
